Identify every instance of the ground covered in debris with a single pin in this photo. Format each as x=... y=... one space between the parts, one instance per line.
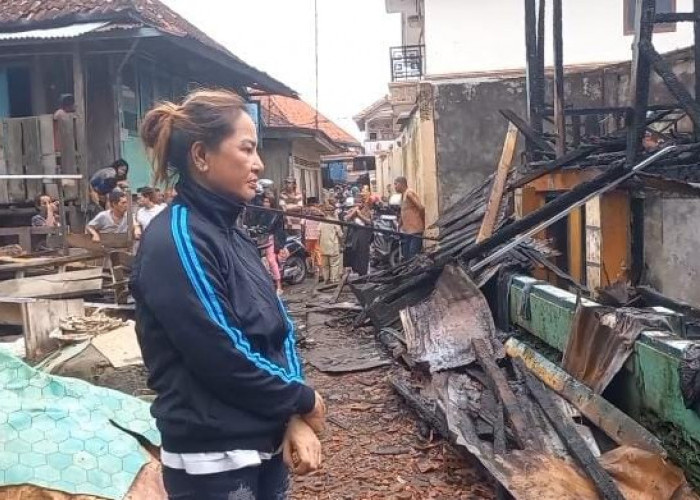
x=374 y=447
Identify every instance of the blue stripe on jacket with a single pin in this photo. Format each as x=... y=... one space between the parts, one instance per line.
x=207 y=296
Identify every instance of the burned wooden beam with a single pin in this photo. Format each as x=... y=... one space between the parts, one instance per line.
x=675 y=17
x=532 y=77
x=618 y=426
x=641 y=73
x=501 y=389
x=499 y=183
x=553 y=166
x=530 y=133
x=426 y=410
x=654 y=297
x=675 y=86
x=517 y=232
x=559 y=104
x=571 y=438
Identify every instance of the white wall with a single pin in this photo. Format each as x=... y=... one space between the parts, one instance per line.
x=480 y=35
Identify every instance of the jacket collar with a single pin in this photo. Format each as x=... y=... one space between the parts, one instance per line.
x=222 y=210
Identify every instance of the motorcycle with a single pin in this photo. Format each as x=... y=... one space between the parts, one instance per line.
x=292 y=265
x=385 y=250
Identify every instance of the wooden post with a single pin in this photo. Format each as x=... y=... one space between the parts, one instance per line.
x=531 y=66
x=81 y=121
x=539 y=88
x=499 y=184
x=641 y=72
x=559 y=118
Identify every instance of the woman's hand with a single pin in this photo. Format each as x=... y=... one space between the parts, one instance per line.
x=301 y=449
x=316 y=419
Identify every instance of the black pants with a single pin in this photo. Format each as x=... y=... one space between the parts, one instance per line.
x=410 y=246
x=268 y=481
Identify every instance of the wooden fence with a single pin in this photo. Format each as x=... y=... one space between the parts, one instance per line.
x=28 y=146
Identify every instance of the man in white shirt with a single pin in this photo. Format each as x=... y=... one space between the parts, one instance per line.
x=148 y=209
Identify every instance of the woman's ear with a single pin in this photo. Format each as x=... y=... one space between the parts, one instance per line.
x=198 y=157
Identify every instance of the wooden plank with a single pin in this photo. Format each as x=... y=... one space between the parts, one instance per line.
x=531 y=65
x=62 y=285
x=641 y=72
x=48 y=152
x=341 y=285
x=499 y=183
x=559 y=104
x=40 y=318
x=534 y=137
x=500 y=388
x=675 y=17
x=571 y=438
x=576 y=244
x=4 y=195
x=675 y=86
x=80 y=122
x=16 y=188
x=553 y=166
x=31 y=158
x=26 y=264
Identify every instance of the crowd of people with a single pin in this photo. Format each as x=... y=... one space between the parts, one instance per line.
x=331 y=247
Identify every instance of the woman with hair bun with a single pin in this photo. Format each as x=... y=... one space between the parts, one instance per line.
x=232 y=406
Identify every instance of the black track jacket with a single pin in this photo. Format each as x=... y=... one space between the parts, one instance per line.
x=216 y=339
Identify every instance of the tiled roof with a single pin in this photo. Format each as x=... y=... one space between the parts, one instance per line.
x=22 y=14
x=280 y=111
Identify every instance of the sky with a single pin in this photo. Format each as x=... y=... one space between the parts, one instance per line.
x=277 y=36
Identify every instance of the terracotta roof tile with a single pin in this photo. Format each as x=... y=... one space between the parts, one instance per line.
x=280 y=111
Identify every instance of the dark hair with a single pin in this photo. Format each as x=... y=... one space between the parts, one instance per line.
x=169 y=130
x=67 y=100
x=116 y=196
x=401 y=180
x=149 y=193
x=269 y=197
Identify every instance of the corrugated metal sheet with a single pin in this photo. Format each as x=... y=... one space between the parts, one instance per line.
x=70 y=31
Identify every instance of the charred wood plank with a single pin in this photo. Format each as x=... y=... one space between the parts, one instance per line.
x=654 y=297
x=675 y=86
x=532 y=76
x=499 y=182
x=500 y=388
x=571 y=438
x=530 y=133
x=424 y=408
x=675 y=17
x=559 y=104
x=553 y=166
x=641 y=73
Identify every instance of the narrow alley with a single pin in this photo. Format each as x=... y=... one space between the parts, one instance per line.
x=374 y=446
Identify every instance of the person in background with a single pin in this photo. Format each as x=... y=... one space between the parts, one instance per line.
x=330 y=239
x=106 y=180
x=311 y=235
x=160 y=197
x=169 y=195
x=292 y=201
x=148 y=209
x=48 y=212
x=112 y=220
x=412 y=220
x=358 y=239
x=273 y=225
x=232 y=406
x=61 y=118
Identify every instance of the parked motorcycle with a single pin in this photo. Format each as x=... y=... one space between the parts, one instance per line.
x=385 y=251
x=293 y=267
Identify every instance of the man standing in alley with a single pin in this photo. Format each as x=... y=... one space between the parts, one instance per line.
x=148 y=209
x=412 y=221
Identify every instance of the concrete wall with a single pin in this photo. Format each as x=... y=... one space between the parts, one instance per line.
x=671 y=245
x=275 y=155
x=468 y=35
x=470 y=132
